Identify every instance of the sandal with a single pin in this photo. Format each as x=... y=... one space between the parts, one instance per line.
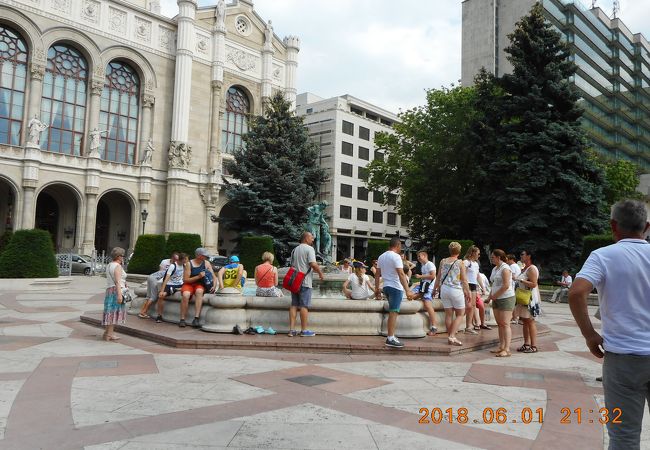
x=498 y=350
x=454 y=341
x=144 y=316
x=503 y=354
x=531 y=349
x=485 y=327
x=524 y=348
x=477 y=327
x=432 y=331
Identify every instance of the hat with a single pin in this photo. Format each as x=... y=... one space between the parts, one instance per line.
x=202 y=252
x=359 y=264
x=234 y=258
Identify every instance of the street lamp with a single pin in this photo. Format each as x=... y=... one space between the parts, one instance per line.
x=144 y=215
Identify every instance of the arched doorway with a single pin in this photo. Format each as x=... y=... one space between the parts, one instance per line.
x=228 y=232
x=7 y=207
x=113 y=222
x=57 y=209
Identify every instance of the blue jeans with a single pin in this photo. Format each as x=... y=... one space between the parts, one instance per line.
x=626 y=381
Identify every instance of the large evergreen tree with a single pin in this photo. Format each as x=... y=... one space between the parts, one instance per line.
x=541 y=190
x=279 y=175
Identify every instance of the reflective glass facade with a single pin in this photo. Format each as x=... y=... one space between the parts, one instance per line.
x=613 y=77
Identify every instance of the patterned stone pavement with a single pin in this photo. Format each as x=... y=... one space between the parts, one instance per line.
x=62 y=387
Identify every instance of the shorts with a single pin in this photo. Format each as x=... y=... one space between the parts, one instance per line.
x=452 y=297
x=394 y=297
x=171 y=289
x=523 y=312
x=473 y=287
x=504 y=304
x=479 y=302
x=427 y=295
x=192 y=287
x=268 y=292
x=302 y=299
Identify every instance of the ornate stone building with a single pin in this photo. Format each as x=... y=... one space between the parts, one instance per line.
x=109 y=109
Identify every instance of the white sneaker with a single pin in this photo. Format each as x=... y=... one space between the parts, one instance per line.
x=393 y=342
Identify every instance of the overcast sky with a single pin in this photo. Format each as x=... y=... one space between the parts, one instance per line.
x=383 y=51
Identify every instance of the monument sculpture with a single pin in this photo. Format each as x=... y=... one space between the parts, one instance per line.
x=36 y=127
x=148 y=153
x=95 y=142
x=180 y=155
x=317 y=226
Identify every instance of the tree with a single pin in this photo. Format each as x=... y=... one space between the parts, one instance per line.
x=29 y=254
x=542 y=191
x=279 y=175
x=621 y=179
x=428 y=161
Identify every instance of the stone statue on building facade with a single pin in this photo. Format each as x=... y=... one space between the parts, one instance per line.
x=36 y=127
x=268 y=35
x=180 y=155
x=95 y=142
x=148 y=153
x=220 y=13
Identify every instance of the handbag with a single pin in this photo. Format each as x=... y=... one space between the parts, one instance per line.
x=126 y=295
x=523 y=296
x=293 y=279
x=208 y=281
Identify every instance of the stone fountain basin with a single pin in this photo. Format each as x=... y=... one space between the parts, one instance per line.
x=329 y=316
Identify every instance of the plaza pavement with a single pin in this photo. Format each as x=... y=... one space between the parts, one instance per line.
x=62 y=387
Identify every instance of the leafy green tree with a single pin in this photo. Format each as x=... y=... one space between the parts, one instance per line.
x=279 y=175
x=621 y=179
x=540 y=190
x=428 y=161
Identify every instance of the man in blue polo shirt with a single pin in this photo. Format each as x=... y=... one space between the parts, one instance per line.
x=621 y=275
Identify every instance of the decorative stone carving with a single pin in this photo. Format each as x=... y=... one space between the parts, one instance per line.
x=148 y=153
x=201 y=44
x=39 y=55
x=268 y=36
x=216 y=84
x=277 y=71
x=142 y=29
x=96 y=87
x=166 y=38
x=61 y=5
x=37 y=71
x=117 y=21
x=90 y=11
x=149 y=85
x=241 y=59
x=99 y=72
x=180 y=155
x=148 y=100
x=220 y=14
x=36 y=127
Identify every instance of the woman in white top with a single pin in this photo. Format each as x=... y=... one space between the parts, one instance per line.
x=345 y=267
x=527 y=313
x=451 y=282
x=358 y=285
x=503 y=295
x=472 y=269
x=114 y=310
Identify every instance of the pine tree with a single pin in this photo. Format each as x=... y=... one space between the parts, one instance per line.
x=279 y=175
x=542 y=191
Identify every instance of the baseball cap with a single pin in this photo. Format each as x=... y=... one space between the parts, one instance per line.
x=358 y=264
x=234 y=258
x=202 y=252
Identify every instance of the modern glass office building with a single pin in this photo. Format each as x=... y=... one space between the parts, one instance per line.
x=613 y=67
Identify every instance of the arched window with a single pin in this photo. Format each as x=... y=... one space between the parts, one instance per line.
x=119 y=112
x=63 y=105
x=235 y=122
x=13 y=73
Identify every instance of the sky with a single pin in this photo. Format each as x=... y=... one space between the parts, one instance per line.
x=384 y=51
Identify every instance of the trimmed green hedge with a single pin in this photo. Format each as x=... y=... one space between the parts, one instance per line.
x=149 y=251
x=29 y=254
x=183 y=243
x=4 y=240
x=375 y=248
x=593 y=242
x=443 y=248
x=251 y=249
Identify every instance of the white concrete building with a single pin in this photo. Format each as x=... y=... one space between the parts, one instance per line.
x=345 y=128
x=169 y=98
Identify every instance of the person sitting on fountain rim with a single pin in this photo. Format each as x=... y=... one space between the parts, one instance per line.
x=171 y=283
x=154 y=283
x=232 y=275
x=198 y=277
x=359 y=282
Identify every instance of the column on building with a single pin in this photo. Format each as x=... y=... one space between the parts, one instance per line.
x=179 y=151
x=146 y=172
x=293 y=47
x=96 y=89
x=267 y=63
x=37 y=72
x=93 y=172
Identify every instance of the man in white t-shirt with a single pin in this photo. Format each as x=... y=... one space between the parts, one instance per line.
x=565 y=283
x=621 y=274
x=424 y=289
x=154 y=282
x=390 y=269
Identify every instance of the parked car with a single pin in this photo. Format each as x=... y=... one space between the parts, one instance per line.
x=218 y=262
x=81 y=264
